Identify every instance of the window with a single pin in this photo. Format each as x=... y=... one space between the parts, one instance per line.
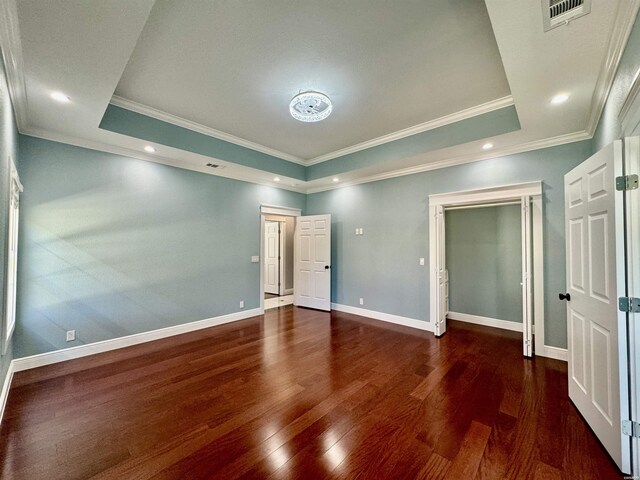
x=15 y=187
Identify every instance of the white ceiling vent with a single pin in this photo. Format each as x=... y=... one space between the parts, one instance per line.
x=561 y=12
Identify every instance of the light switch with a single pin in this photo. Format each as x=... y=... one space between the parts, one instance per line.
x=421 y=261
x=255 y=259
x=361 y=231
x=357 y=231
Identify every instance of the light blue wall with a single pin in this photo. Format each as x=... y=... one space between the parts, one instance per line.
x=111 y=246
x=8 y=146
x=483 y=256
x=609 y=128
x=487 y=125
x=120 y=120
x=382 y=265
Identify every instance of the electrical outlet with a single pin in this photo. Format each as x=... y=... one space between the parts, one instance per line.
x=71 y=335
x=361 y=231
x=241 y=303
x=362 y=301
x=421 y=261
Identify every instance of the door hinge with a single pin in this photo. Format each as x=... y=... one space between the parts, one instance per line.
x=629 y=304
x=626 y=182
x=630 y=428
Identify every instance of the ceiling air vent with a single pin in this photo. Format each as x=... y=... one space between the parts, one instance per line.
x=561 y=12
x=214 y=165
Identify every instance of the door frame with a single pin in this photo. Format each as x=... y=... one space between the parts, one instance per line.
x=497 y=195
x=281 y=249
x=265 y=210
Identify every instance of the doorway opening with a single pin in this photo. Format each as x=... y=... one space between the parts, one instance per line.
x=277 y=255
x=531 y=282
x=277 y=260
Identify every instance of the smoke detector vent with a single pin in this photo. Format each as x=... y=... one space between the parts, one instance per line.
x=561 y=12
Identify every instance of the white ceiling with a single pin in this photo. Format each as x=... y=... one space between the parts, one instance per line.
x=88 y=48
x=234 y=66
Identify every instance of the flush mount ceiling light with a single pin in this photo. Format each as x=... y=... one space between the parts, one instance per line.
x=336 y=179
x=487 y=146
x=560 y=98
x=310 y=106
x=60 y=97
x=149 y=149
x=276 y=179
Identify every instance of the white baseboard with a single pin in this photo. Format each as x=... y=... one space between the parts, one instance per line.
x=385 y=317
x=4 y=394
x=555 y=352
x=486 y=321
x=26 y=363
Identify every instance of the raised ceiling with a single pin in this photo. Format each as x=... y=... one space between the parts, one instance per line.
x=234 y=66
x=444 y=70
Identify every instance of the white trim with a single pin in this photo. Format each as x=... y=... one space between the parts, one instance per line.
x=420 y=128
x=461 y=160
x=26 y=363
x=477 y=196
x=4 y=395
x=554 y=352
x=288 y=291
x=485 y=321
x=11 y=47
x=199 y=128
x=622 y=26
x=385 y=317
x=277 y=210
x=538 y=271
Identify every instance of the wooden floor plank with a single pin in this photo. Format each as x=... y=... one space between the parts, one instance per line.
x=298 y=393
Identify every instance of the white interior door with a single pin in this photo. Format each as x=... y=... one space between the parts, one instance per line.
x=312 y=273
x=598 y=384
x=272 y=257
x=527 y=290
x=439 y=294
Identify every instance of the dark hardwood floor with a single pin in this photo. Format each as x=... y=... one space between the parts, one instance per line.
x=302 y=394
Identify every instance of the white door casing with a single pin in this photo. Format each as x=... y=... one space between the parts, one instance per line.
x=437 y=262
x=272 y=256
x=312 y=272
x=596 y=330
x=527 y=283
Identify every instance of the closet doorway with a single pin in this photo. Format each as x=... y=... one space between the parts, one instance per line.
x=278 y=260
x=528 y=199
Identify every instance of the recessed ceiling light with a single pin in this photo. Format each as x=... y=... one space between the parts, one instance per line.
x=336 y=179
x=60 y=97
x=149 y=149
x=310 y=106
x=560 y=98
x=487 y=146
x=276 y=179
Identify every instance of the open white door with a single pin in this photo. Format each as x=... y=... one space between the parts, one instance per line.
x=312 y=273
x=439 y=294
x=598 y=368
x=527 y=293
x=272 y=257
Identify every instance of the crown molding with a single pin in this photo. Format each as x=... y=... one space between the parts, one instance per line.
x=197 y=127
x=450 y=162
x=422 y=127
x=11 y=47
x=623 y=24
x=244 y=176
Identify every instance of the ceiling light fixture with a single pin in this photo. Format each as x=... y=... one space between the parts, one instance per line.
x=336 y=179
x=60 y=97
x=487 y=146
x=560 y=98
x=310 y=106
x=276 y=179
x=149 y=149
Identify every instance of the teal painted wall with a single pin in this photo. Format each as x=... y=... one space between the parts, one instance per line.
x=8 y=146
x=112 y=246
x=483 y=256
x=382 y=265
x=609 y=128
